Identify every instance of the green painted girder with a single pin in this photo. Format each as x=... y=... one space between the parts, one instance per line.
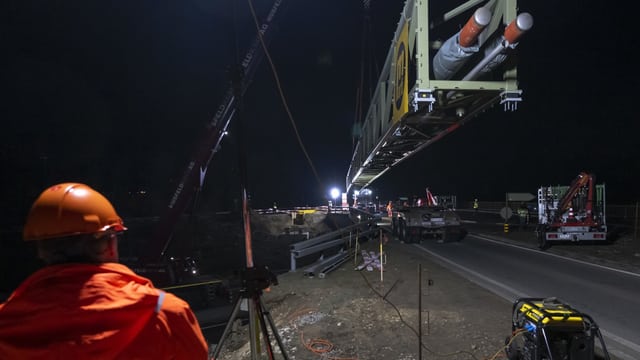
x=410 y=109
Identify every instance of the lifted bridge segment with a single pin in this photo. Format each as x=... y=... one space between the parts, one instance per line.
x=429 y=88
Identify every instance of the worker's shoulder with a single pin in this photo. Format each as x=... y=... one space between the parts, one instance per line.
x=174 y=310
x=173 y=303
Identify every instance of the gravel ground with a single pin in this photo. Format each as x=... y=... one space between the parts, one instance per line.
x=351 y=314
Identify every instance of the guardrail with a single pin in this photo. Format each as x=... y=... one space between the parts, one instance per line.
x=330 y=240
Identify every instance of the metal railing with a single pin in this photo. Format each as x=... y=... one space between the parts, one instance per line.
x=330 y=240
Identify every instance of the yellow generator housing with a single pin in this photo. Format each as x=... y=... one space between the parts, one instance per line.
x=549 y=329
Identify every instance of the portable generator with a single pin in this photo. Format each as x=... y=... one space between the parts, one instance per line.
x=549 y=329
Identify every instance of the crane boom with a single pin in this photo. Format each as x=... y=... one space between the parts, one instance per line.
x=578 y=183
x=194 y=174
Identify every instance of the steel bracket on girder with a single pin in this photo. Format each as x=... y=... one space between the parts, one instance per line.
x=421 y=96
x=510 y=99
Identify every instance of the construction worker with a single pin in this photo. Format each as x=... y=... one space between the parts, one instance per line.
x=523 y=216
x=83 y=304
x=475 y=207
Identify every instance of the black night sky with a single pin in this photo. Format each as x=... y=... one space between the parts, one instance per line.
x=117 y=94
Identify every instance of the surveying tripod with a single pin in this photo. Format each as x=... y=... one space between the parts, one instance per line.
x=254 y=281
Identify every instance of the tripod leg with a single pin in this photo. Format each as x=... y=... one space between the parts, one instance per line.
x=227 y=328
x=267 y=316
x=253 y=336
x=263 y=327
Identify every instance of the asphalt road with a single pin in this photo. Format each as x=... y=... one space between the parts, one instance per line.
x=610 y=296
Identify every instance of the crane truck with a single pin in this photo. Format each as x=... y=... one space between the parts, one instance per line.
x=572 y=213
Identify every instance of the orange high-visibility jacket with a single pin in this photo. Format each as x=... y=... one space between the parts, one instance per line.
x=102 y=311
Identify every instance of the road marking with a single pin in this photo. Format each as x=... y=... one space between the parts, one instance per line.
x=623 y=342
x=537 y=251
x=482 y=277
x=615 y=338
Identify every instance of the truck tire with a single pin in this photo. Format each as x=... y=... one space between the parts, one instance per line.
x=407 y=235
x=411 y=235
x=402 y=231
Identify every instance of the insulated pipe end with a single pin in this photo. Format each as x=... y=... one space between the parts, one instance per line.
x=474 y=26
x=521 y=24
x=482 y=16
x=524 y=21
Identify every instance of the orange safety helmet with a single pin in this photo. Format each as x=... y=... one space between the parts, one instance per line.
x=70 y=209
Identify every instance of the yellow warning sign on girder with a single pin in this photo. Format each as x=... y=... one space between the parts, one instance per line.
x=401 y=75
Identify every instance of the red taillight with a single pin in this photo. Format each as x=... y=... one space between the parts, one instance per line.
x=598 y=236
x=553 y=236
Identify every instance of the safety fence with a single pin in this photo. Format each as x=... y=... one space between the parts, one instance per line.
x=628 y=215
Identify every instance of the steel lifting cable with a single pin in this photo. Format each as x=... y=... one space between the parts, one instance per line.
x=280 y=91
x=368 y=77
x=284 y=100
